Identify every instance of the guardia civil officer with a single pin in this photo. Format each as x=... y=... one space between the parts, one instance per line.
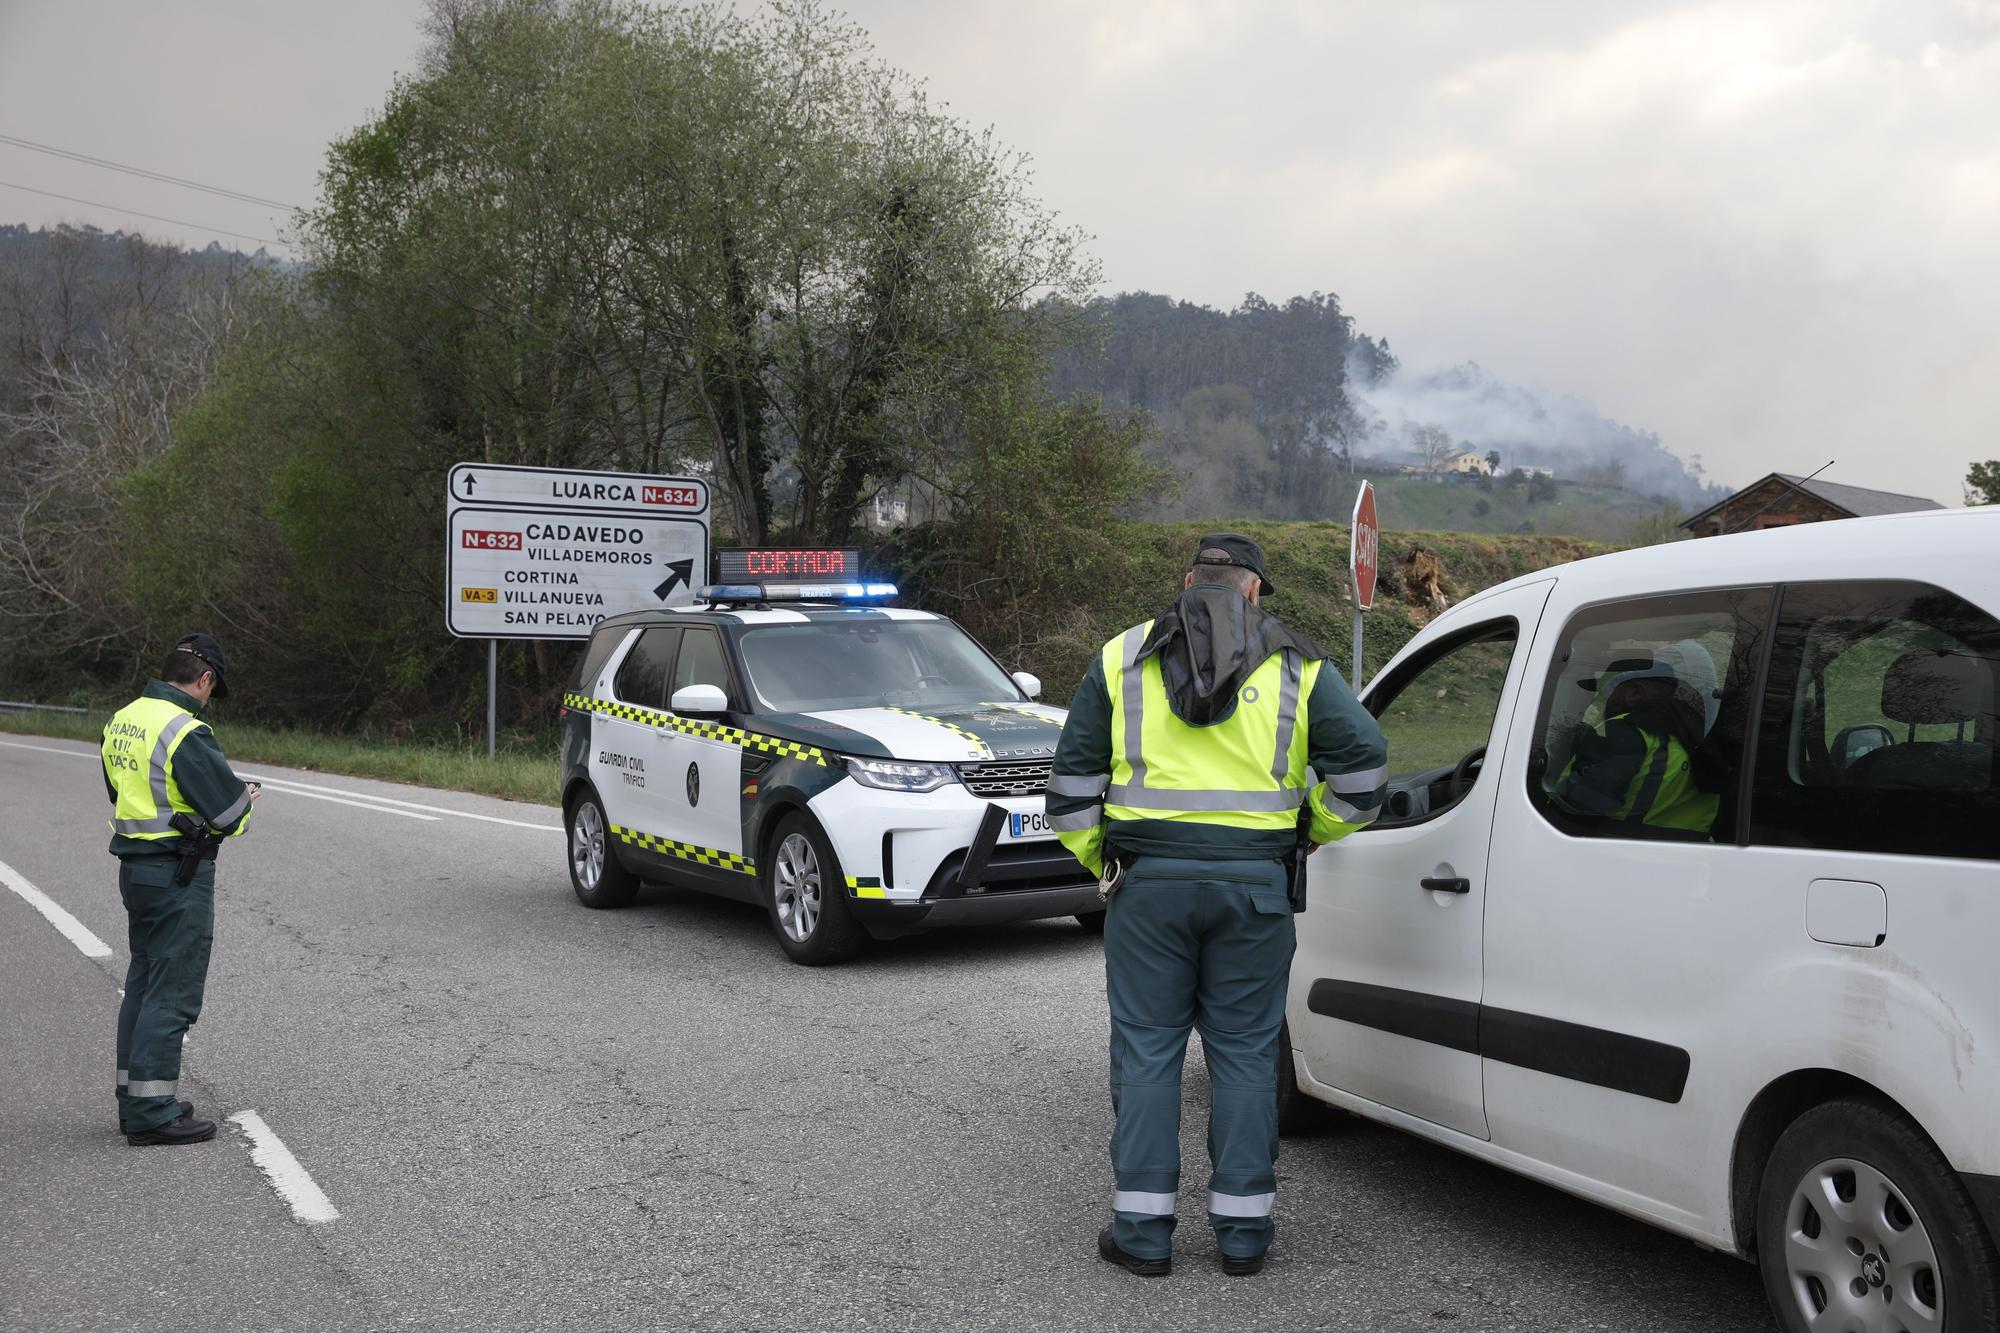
x=1186 y=773
x=173 y=800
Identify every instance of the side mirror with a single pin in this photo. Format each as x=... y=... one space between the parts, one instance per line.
x=700 y=701
x=1853 y=742
x=1030 y=685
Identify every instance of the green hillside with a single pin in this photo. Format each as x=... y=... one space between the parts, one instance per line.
x=1599 y=513
x=1308 y=564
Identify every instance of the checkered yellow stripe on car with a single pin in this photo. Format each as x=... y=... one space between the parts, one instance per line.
x=686 y=851
x=713 y=731
x=985 y=750
x=865 y=886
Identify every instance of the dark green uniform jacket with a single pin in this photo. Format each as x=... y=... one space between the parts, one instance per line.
x=202 y=774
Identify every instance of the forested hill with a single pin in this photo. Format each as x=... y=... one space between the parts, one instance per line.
x=1262 y=410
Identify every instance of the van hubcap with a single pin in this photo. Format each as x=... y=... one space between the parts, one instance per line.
x=798 y=888
x=586 y=846
x=1857 y=1256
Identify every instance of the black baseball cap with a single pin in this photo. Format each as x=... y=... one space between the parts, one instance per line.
x=1229 y=548
x=209 y=651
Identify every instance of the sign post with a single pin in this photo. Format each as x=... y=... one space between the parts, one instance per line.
x=1364 y=547
x=546 y=553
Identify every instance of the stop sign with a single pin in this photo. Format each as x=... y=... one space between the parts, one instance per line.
x=1364 y=545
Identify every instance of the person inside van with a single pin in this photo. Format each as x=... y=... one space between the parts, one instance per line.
x=1639 y=767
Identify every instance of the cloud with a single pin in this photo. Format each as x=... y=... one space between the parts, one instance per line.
x=1762 y=230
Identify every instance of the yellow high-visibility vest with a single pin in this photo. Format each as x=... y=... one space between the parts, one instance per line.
x=139 y=746
x=1248 y=771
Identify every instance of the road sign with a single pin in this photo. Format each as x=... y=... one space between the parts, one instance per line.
x=546 y=553
x=1364 y=558
x=1364 y=545
x=540 y=488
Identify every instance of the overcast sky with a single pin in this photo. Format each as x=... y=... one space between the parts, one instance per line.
x=1766 y=230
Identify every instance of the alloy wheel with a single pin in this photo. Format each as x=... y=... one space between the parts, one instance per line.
x=798 y=887
x=1858 y=1258
x=586 y=846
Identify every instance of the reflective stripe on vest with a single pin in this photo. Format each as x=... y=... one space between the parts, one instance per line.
x=1664 y=794
x=148 y=796
x=1247 y=771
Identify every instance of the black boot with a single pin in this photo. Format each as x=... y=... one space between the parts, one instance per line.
x=186 y=1109
x=184 y=1130
x=1107 y=1250
x=1242 y=1265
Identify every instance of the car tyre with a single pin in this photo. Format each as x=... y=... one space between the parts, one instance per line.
x=595 y=872
x=806 y=895
x=1862 y=1221
x=1092 y=922
x=1298 y=1111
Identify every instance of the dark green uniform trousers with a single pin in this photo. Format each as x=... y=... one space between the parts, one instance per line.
x=1207 y=945
x=169 y=929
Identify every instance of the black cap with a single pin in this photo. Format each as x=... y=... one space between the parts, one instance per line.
x=1229 y=548
x=209 y=651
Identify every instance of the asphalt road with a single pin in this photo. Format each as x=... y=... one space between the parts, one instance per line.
x=533 y=1116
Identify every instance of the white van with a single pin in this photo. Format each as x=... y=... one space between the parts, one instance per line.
x=1686 y=900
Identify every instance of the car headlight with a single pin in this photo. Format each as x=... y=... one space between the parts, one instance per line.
x=899 y=774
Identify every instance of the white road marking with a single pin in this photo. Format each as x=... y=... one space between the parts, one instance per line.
x=300 y=789
x=50 y=749
x=76 y=932
x=366 y=800
x=307 y=1201
x=413 y=805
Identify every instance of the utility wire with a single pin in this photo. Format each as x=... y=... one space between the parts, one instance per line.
x=86 y=158
x=178 y=222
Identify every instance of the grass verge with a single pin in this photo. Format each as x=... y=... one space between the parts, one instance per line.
x=524 y=770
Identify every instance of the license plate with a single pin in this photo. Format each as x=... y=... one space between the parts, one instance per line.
x=1022 y=825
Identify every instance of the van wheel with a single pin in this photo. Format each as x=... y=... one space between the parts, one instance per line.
x=807 y=896
x=1298 y=1113
x=594 y=869
x=1862 y=1224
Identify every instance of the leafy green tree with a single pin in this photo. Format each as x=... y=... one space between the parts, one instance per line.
x=595 y=234
x=676 y=238
x=1982 y=483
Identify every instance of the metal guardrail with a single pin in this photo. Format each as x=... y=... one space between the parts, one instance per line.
x=10 y=705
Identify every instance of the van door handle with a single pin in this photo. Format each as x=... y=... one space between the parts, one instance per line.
x=1459 y=885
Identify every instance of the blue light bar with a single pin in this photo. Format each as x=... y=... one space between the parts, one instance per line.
x=797 y=592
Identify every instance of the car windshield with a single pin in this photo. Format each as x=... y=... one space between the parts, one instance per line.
x=869 y=663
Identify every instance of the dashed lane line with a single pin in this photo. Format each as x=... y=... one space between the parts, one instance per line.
x=288 y=1177
x=75 y=931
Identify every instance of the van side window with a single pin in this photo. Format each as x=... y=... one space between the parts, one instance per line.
x=642 y=676
x=1643 y=717
x=1437 y=716
x=1878 y=732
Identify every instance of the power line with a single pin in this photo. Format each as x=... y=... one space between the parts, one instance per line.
x=178 y=222
x=86 y=158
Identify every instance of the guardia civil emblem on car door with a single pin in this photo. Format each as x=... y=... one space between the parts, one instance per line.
x=694 y=784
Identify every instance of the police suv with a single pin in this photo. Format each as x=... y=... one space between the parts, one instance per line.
x=1685 y=900
x=856 y=768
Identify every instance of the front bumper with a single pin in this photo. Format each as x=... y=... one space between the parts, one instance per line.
x=940 y=858
x=886 y=920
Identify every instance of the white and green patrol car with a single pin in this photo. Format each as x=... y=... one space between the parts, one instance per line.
x=859 y=770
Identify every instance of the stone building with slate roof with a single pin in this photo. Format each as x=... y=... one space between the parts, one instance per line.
x=1780 y=500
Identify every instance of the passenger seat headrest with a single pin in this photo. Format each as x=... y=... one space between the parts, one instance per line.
x=1927 y=688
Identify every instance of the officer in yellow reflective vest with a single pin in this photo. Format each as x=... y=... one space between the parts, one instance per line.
x=1640 y=768
x=160 y=760
x=1198 y=746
